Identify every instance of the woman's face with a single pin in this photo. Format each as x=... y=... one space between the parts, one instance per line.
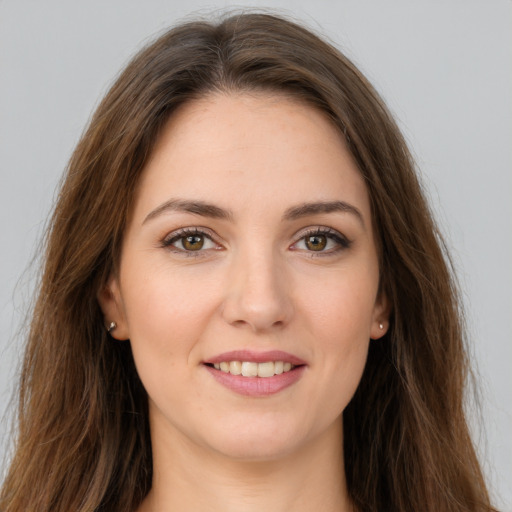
x=250 y=248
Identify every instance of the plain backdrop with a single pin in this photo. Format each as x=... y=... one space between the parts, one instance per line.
x=444 y=68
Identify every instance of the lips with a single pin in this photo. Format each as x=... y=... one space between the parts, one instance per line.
x=256 y=357
x=256 y=374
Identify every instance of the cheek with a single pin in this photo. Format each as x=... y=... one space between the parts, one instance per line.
x=165 y=314
x=339 y=317
x=341 y=305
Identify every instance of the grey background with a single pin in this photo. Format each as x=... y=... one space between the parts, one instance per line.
x=445 y=69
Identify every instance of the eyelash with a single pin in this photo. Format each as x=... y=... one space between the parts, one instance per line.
x=341 y=241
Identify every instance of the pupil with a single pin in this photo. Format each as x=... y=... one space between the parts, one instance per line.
x=316 y=242
x=193 y=243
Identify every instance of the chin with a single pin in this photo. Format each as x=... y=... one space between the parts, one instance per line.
x=256 y=451
x=258 y=441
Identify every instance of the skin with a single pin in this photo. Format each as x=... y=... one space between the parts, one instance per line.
x=255 y=284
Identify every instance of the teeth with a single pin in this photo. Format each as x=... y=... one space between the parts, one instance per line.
x=250 y=369
x=235 y=367
x=266 y=369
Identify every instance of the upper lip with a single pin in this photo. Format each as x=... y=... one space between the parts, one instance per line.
x=256 y=357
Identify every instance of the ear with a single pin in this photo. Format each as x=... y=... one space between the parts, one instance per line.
x=109 y=298
x=380 y=317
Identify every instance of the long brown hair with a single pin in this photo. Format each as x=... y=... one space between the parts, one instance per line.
x=83 y=439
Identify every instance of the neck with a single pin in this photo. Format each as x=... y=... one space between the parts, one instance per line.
x=188 y=477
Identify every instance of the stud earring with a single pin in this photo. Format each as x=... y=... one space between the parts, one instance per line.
x=381 y=326
x=111 y=327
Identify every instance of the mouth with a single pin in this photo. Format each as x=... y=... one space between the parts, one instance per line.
x=256 y=374
x=251 y=369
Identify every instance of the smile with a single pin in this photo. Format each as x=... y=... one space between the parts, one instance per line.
x=252 y=369
x=256 y=374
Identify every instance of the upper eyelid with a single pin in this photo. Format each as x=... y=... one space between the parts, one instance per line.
x=192 y=230
x=324 y=230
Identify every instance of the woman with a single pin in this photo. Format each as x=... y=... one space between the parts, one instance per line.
x=246 y=303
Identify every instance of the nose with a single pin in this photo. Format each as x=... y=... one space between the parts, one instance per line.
x=258 y=294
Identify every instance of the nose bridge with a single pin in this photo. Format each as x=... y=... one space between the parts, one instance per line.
x=257 y=293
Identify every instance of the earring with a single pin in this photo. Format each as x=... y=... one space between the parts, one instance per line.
x=381 y=326
x=111 y=327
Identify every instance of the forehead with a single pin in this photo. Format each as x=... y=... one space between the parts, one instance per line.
x=247 y=150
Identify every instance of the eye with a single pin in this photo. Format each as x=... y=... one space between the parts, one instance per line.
x=189 y=240
x=322 y=240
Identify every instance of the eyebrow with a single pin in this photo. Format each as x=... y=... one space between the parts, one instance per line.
x=195 y=207
x=205 y=209
x=305 y=209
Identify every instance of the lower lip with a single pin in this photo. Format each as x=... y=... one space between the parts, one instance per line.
x=257 y=386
